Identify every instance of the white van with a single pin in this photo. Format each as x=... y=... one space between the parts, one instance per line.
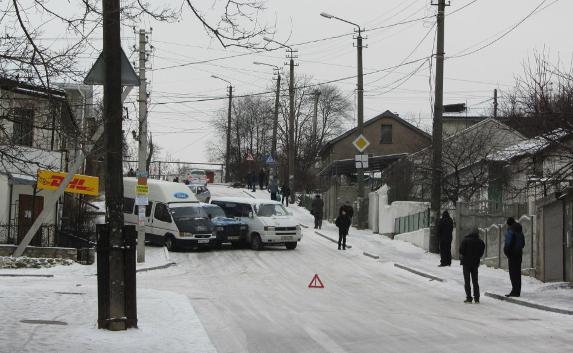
x=173 y=216
x=270 y=223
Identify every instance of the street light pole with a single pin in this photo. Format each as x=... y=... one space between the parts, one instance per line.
x=360 y=115
x=291 y=147
x=228 y=149
x=277 y=103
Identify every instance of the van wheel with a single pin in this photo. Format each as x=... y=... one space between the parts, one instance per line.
x=291 y=245
x=170 y=243
x=256 y=243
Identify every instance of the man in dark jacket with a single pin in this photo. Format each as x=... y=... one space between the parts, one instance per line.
x=285 y=192
x=471 y=251
x=274 y=189
x=445 y=229
x=513 y=249
x=316 y=210
x=343 y=223
x=262 y=176
x=348 y=209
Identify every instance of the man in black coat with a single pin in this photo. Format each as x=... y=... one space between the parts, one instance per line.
x=445 y=229
x=343 y=222
x=471 y=251
x=285 y=192
x=316 y=210
x=513 y=249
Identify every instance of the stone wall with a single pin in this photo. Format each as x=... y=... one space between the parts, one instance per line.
x=31 y=251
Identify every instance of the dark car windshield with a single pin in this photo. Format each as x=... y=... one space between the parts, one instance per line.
x=214 y=211
x=188 y=212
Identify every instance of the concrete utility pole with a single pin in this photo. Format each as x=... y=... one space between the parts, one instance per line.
x=276 y=115
x=112 y=108
x=142 y=172
x=228 y=149
x=495 y=103
x=362 y=211
x=315 y=116
x=436 y=190
x=291 y=54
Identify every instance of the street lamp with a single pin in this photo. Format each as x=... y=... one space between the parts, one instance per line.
x=276 y=117
x=228 y=150
x=360 y=89
x=291 y=148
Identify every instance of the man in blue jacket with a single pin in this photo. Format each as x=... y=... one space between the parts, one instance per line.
x=513 y=249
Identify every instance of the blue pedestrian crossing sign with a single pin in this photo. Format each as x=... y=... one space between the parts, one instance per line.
x=270 y=160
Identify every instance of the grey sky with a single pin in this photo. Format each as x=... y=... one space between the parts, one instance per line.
x=182 y=129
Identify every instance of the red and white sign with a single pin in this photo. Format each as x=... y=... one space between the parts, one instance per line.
x=316 y=282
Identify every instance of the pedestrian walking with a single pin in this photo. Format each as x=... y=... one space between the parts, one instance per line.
x=316 y=210
x=445 y=229
x=249 y=179
x=274 y=189
x=261 y=178
x=343 y=222
x=131 y=172
x=471 y=251
x=513 y=249
x=253 y=182
x=285 y=191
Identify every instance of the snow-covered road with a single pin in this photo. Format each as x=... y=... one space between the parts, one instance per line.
x=259 y=302
x=238 y=300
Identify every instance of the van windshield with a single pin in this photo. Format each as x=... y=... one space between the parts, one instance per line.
x=214 y=211
x=271 y=209
x=187 y=212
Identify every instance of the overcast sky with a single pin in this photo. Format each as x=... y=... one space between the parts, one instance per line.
x=183 y=130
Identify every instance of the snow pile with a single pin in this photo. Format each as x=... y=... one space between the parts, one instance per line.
x=31 y=262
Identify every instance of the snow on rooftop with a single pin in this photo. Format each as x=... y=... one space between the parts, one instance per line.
x=530 y=146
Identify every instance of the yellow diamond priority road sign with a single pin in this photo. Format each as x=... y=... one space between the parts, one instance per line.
x=361 y=143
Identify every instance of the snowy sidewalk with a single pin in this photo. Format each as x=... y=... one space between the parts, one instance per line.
x=59 y=314
x=558 y=296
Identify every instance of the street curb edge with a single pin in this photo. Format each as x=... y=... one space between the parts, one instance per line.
x=528 y=304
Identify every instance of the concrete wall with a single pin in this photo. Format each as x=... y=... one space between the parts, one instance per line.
x=373 y=211
x=4 y=199
x=388 y=213
x=31 y=251
x=419 y=238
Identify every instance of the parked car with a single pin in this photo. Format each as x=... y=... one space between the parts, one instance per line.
x=227 y=229
x=173 y=215
x=270 y=223
x=198 y=177
x=201 y=192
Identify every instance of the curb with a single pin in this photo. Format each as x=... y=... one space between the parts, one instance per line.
x=375 y=257
x=304 y=226
x=161 y=267
x=332 y=240
x=528 y=304
x=419 y=273
x=24 y=275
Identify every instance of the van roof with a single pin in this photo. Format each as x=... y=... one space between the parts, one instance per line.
x=248 y=200
x=161 y=190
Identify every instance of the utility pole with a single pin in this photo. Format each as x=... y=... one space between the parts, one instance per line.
x=291 y=54
x=315 y=116
x=361 y=211
x=142 y=172
x=276 y=117
x=436 y=190
x=112 y=107
x=291 y=147
x=228 y=149
x=495 y=103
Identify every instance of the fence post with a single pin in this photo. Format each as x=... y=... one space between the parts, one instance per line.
x=486 y=231
x=499 y=247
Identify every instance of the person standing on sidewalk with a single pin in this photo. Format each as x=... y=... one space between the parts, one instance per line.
x=513 y=249
x=348 y=209
x=343 y=223
x=471 y=251
x=445 y=229
x=285 y=192
x=316 y=210
x=274 y=188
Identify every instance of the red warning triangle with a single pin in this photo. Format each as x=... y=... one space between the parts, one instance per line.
x=316 y=282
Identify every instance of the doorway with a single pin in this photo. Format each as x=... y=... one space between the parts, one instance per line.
x=29 y=207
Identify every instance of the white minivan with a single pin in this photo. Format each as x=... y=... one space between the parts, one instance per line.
x=173 y=217
x=270 y=223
